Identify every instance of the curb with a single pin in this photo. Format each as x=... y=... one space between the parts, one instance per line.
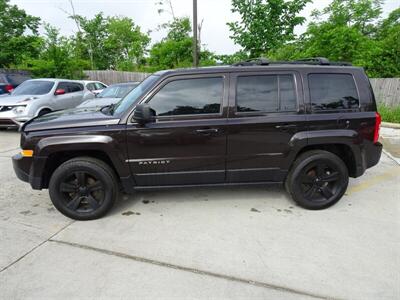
x=390 y=125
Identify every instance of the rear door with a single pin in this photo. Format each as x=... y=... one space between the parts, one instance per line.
x=266 y=111
x=187 y=142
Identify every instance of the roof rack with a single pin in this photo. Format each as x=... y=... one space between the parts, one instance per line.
x=321 y=61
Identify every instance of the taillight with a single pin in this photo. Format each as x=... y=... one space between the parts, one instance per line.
x=378 y=121
x=9 y=88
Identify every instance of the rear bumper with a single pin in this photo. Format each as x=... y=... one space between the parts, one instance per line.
x=373 y=154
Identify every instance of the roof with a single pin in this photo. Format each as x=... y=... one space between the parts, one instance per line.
x=229 y=69
x=258 y=64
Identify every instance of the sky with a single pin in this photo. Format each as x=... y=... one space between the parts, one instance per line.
x=215 y=13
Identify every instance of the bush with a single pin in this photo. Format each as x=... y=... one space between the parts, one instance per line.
x=389 y=114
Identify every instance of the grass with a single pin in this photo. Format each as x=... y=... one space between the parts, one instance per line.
x=389 y=114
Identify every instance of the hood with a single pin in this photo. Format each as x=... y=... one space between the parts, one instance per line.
x=77 y=117
x=99 y=102
x=8 y=100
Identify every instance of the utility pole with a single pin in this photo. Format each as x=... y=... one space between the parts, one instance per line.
x=195 y=39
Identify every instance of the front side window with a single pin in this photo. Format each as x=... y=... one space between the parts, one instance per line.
x=266 y=93
x=333 y=91
x=189 y=97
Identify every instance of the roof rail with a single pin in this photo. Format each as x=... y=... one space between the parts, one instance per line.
x=317 y=60
x=252 y=62
x=322 y=61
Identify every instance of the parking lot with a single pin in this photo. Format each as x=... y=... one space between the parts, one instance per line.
x=234 y=243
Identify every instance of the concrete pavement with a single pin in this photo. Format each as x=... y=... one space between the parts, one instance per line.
x=231 y=243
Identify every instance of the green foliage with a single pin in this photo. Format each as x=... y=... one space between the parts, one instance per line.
x=125 y=43
x=265 y=24
x=18 y=35
x=348 y=30
x=56 y=58
x=389 y=114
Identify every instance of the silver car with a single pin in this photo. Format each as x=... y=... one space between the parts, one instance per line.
x=40 y=96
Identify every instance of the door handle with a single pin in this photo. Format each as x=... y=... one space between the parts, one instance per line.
x=208 y=131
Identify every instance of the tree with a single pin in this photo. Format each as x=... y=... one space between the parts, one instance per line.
x=92 y=38
x=125 y=43
x=57 y=57
x=359 y=14
x=175 y=50
x=265 y=24
x=18 y=35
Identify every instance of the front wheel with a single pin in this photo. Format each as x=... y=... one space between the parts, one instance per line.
x=83 y=188
x=317 y=180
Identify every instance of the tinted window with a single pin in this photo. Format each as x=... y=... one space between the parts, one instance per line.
x=189 y=97
x=35 y=87
x=333 y=91
x=91 y=86
x=75 y=87
x=267 y=93
x=135 y=94
x=99 y=86
x=288 y=100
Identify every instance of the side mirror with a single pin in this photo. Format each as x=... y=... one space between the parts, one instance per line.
x=59 y=92
x=143 y=114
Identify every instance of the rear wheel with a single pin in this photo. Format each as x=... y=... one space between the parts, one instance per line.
x=83 y=188
x=317 y=180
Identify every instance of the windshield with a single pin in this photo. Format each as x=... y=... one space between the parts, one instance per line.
x=135 y=94
x=34 y=87
x=116 y=91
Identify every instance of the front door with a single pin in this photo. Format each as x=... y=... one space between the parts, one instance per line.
x=186 y=144
x=266 y=111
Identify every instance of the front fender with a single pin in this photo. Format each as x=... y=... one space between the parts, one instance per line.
x=59 y=144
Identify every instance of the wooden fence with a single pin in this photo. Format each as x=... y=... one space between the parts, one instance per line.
x=111 y=77
x=387 y=90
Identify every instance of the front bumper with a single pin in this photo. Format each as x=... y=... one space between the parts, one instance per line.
x=9 y=119
x=24 y=171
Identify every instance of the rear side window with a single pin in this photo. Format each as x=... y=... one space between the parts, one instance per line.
x=189 y=97
x=266 y=93
x=333 y=91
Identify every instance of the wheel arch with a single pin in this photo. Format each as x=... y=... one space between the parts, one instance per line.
x=51 y=152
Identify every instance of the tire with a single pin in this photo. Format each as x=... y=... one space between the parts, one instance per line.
x=43 y=112
x=83 y=188
x=317 y=180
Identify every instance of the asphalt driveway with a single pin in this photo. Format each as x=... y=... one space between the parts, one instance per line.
x=233 y=243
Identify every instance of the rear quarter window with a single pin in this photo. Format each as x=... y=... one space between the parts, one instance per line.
x=333 y=92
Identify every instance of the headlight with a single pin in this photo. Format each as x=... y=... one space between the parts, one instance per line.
x=18 y=110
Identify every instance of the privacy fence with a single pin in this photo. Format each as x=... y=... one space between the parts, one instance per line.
x=387 y=90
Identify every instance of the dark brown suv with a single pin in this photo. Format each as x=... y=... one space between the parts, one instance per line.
x=308 y=124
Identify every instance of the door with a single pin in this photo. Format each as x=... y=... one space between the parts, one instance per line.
x=186 y=144
x=266 y=111
x=72 y=97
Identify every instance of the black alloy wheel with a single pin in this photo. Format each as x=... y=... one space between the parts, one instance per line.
x=83 y=188
x=82 y=192
x=317 y=180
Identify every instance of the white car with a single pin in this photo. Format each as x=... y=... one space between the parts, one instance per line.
x=94 y=87
x=40 y=96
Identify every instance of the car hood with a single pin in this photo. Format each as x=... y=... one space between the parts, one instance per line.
x=99 y=102
x=77 y=117
x=17 y=100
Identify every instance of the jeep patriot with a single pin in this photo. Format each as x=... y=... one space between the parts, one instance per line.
x=309 y=124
